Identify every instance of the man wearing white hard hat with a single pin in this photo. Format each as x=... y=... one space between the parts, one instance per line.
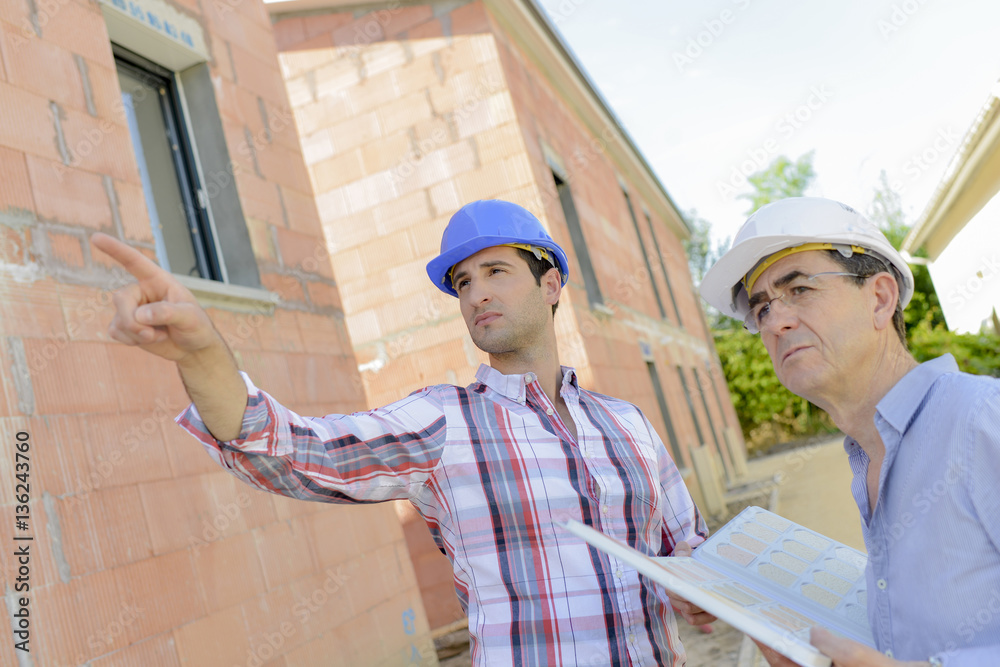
x=495 y=468
x=826 y=291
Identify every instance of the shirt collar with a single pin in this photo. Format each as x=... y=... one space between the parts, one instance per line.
x=514 y=386
x=901 y=404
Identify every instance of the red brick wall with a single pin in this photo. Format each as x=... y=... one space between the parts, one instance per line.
x=144 y=551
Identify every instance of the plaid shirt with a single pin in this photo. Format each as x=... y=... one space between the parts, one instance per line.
x=494 y=472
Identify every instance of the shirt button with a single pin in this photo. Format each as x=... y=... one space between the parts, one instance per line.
x=548 y=412
x=888 y=653
x=619 y=574
x=882 y=584
x=631 y=637
x=529 y=378
x=605 y=510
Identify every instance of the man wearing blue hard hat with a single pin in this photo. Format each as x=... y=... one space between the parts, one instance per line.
x=494 y=468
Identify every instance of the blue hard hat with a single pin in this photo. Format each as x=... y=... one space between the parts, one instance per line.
x=484 y=224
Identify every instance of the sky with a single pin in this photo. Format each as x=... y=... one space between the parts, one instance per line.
x=710 y=89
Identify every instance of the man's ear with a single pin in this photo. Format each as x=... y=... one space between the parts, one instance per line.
x=886 y=294
x=551 y=286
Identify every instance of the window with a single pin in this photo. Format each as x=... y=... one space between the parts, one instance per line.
x=579 y=243
x=663 y=267
x=184 y=240
x=645 y=257
x=675 y=448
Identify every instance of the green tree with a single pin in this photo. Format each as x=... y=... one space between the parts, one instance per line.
x=779 y=180
x=886 y=210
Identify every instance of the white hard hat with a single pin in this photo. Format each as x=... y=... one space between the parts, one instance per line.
x=791 y=223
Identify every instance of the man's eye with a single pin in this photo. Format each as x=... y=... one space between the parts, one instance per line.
x=495 y=270
x=460 y=284
x=799 y=290
x=763 y=311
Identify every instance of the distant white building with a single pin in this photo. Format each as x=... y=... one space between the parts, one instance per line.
x=960 y=227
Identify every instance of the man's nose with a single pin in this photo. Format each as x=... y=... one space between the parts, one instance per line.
x=478 y=293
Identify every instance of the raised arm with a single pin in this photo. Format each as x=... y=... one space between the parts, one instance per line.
x=162 y=317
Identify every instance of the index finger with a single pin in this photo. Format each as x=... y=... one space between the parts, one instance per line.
x=131 y=259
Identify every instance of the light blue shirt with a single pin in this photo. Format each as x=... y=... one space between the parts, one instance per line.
x=934 y=538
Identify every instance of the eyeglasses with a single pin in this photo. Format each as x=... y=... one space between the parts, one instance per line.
x=799 y=291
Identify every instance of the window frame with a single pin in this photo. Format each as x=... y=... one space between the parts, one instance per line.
x=208 y=258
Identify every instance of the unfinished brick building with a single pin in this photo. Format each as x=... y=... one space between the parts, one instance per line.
x=406 y=111
x=167 y=125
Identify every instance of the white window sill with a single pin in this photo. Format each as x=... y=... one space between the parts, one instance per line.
x=213 y=294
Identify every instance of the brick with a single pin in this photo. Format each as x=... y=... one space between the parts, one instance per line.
x=69 y=195
x=333 y=105
x=106 y=91
x=125 y=449
x=165 y=588
x=418 y=75
x=427 y=30
x=285 y=552
x=288 y=287
x=470 y=19
x=160 y=650
x=324 y=296
x=359 y=33
x=304 y=253
x=382 y=57
x=186 y=455
x=66 y=249
x=28 y=124
x=86 y=311
x=175 y=526
x=228 y=494
x=323 y=651
x=79 y=28
x=103 y=529
x=331 y=534
x=302 y=214
x=337 y=171
x=229 y=571
x=260 y=76
x=15 y=186
x=271 y=621
x=43 y=68
x=219 y=639
x=99 y=145
x=143 y=381
x=500 y=142
x=326 y=23
x=405 y=112
x=71 y=637
x=33 y=311
x=59 y=371
x=374 y=526
x=288 y=32
x=308 y=54
x=133 y=211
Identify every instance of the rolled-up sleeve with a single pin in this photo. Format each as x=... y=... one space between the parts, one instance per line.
x=382 y=454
